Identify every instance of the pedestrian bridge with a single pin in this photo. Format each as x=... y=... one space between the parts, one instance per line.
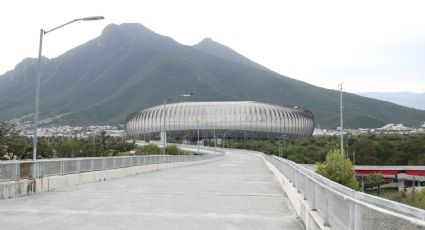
x=238 y=190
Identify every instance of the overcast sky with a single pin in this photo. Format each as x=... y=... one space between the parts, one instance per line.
x=368 y=45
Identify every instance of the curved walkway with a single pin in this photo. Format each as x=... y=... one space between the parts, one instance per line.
x=238 y=192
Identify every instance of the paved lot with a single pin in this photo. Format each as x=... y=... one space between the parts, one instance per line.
x=234 y=193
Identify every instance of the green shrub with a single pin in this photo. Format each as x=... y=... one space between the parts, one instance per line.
x=338 y=168
x=412 y=198
x=173 y=150
x=148 y=149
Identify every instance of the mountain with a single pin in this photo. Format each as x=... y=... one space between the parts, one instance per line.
x=129 y=67
x=412 y=100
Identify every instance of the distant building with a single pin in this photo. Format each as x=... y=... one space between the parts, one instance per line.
x=394 y=128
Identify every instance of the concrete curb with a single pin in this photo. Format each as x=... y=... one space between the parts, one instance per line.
x=10 y=189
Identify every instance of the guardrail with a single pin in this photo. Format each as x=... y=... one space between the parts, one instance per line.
x=343 y=208
x=16 y=170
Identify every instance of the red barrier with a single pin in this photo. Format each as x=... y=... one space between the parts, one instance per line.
x=416 y=172
x=383 y=172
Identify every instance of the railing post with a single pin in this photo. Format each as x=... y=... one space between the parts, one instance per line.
x=293 y=176
x=79 y=166
x=39 y=169
x=313 y=202
x=18 y=171
x=62 y=166
x=327 y=208
x=305 y=188
x=287 y=173
x=298 y=183
x=33 y=169
x=352 y=215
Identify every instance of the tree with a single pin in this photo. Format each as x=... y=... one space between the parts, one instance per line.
x=8 y=141
x=365 y=152
x=7 y=129
x=338 y=168
x=375 y=180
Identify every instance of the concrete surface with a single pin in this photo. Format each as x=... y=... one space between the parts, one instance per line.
x=238 y=192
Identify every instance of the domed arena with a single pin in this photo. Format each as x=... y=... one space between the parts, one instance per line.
x=236 y=119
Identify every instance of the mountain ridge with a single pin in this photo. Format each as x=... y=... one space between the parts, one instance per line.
x=408 y=99
x=129 y=67
x=208 y=45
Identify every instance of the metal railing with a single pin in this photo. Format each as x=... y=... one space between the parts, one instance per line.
x=344 y=208
x=16 y=170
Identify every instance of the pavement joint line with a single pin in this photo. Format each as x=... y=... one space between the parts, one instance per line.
x=152 y=214
x=179 y=194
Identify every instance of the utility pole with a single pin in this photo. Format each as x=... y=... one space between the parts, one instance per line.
x=198 y=135
x=215 y=142
x=341 y=120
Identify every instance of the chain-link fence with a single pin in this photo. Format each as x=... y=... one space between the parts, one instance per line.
x=16 y=170
x=343 y=208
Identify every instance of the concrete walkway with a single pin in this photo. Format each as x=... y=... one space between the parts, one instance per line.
x=238 y=192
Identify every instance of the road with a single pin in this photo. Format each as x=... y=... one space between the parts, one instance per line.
x=237 y=192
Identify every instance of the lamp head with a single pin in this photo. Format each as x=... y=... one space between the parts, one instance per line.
x=187 y=94
x=92 y=18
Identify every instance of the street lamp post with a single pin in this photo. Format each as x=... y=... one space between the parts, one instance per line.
x=164 y=132
x=282 y=139
x=37 y=81
x=224 y=137
x=215 y=142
